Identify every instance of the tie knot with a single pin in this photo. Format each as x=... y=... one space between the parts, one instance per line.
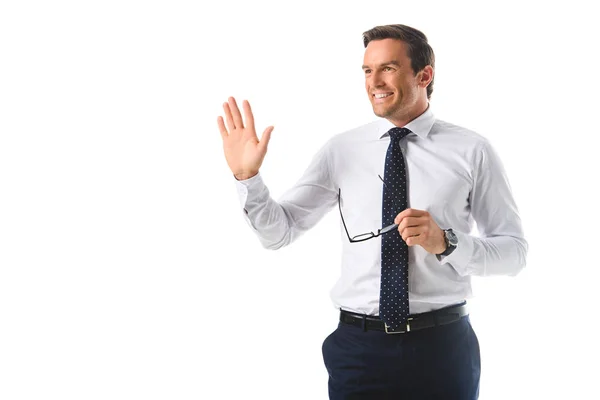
x=396 y=134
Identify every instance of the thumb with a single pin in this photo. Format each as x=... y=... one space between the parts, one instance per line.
x=265 y=138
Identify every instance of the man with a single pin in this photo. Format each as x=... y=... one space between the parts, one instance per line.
x=415 y=185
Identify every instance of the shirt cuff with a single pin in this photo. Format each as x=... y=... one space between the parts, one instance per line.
x=244 y=187
x=461 y=257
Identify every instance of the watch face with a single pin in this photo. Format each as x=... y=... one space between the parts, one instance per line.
x=452 y=238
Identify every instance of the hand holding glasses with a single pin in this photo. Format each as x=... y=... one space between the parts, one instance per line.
x=364 y=236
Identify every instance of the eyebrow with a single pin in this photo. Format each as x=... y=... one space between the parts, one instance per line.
x=396 y=63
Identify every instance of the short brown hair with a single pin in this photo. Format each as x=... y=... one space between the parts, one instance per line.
x=419 y=50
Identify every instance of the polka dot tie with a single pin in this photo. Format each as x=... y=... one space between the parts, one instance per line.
x=393 y=295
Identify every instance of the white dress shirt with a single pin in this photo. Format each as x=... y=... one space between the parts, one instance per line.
x=452 y=172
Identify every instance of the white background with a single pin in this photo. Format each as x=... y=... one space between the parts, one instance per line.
x=126 y=269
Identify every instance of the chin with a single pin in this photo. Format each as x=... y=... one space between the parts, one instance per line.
x=381 y=112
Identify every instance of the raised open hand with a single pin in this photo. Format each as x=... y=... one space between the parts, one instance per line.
x=243 y=151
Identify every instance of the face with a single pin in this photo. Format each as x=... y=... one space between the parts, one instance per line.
x=395 y=91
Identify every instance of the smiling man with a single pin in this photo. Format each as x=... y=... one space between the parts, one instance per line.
x=395 y=89
x=409 y=188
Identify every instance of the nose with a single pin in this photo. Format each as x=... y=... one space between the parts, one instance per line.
x=375 y=79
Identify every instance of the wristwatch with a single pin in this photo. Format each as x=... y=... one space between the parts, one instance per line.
x=451 y=242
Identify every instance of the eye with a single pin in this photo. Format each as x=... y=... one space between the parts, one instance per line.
x=367 y=71
x=387 y=69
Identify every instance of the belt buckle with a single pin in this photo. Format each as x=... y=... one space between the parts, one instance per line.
x=393 y=332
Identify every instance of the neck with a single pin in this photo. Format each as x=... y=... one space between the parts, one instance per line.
x=409 y=115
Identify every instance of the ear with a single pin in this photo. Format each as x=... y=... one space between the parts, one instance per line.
x=425 y=76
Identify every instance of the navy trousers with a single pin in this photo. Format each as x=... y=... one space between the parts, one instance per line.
x=433 y=363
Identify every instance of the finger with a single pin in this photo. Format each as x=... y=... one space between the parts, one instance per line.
x=222 y=129
x=265 y=138
x=228 y=117
x=411 y=233
x=413 y=240
x=407 y=232
x=409 y=212
x=409 y=221
x=248 y=116
x=400 y=217
x=235 y=112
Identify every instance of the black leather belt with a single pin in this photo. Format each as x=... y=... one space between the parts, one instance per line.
x=430 y=319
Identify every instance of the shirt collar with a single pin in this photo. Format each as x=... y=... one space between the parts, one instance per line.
x=420 y=125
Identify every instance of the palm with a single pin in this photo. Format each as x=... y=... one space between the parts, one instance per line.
x=243 y=150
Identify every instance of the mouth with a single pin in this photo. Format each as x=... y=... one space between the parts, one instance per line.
x=381 y=97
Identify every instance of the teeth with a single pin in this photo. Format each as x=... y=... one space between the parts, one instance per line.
x=381 y=96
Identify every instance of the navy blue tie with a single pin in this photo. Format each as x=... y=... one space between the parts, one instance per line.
x=393 y=295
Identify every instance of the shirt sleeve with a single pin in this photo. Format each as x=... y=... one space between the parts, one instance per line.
x=501 y=248
x=279 y=223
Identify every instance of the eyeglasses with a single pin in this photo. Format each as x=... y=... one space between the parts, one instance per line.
x=364 y=236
